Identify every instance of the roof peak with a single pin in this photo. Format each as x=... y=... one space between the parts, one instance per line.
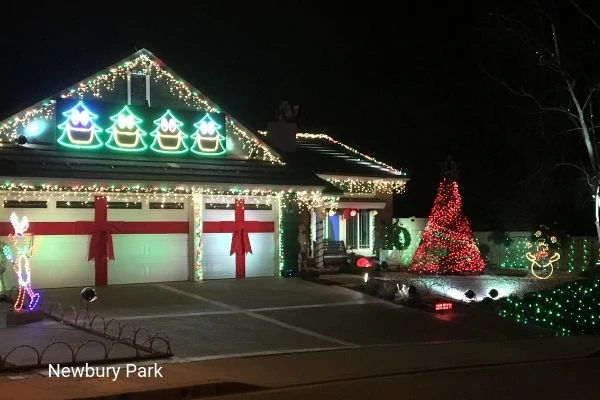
x=105 y=84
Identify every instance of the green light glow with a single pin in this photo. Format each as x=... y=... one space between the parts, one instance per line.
x=208 y=139
x=168 y=136
x=125 y=132
x=79 y=131
x=553 y=308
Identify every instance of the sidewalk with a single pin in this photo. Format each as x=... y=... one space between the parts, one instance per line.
x=301 y=368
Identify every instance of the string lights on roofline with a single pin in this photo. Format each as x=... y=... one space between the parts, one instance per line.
x=373 y=186
x=42 y=110
x=307 y=200
x=321 y=136
x=106 y=82
x=251 y=144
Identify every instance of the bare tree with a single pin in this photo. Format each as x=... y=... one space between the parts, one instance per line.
x=572 y=94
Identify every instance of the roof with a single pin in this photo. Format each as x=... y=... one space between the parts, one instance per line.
x=319 y=160
x=326 y=155
x=42 y=163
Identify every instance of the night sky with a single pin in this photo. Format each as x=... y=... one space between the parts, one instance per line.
x=407 y=87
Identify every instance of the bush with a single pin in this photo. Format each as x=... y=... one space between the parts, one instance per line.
x=569 y=309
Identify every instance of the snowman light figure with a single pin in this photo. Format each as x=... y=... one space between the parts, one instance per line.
x=541 y=261
x=24 y=244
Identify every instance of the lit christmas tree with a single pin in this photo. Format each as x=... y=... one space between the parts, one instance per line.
x=126 y=133
x=208 y=139
x=79 y=129
x=168 y=136
x=447 y=245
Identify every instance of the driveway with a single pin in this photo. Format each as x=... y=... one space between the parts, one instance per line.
x=226 y=318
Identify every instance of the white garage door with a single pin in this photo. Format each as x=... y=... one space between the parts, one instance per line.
x=62 y=260
x=216 y=261
x=142 y=258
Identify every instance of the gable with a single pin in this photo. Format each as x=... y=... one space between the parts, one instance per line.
x=128 y=83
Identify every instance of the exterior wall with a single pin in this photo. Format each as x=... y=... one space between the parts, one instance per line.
x=403 y=258
x=512 y=256
x=290 y=222
x=577 y=253
x=386 y=215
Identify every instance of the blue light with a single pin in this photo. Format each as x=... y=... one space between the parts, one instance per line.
x=35 y=128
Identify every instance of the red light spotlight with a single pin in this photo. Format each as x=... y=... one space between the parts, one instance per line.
x=443 y=306
x=363 y=263
x=353 y=213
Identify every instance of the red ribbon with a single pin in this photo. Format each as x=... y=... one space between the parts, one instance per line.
x=239 y=228
x=101 y=243
x=240 y=241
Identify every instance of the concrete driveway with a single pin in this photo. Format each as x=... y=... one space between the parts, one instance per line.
x=228 y=318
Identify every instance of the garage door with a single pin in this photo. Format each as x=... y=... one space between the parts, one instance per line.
x=61 y=259
x=142 y=258
x=260 y=222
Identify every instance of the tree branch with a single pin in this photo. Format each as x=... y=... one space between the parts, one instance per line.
x=525 y=94
x=585 y=174
x=592 y=20
x=592 y=91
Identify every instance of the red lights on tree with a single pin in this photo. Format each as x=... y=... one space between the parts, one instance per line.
x=447 y=245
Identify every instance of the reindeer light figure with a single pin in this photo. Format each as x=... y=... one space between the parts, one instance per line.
x=24 y=245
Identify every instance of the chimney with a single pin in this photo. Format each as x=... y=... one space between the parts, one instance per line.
x=282 y=135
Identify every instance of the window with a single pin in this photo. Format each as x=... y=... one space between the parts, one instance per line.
x=364 y=230
x=91 y=204
x=75 y=204
x=166 y=206
x=25 y=204
x=358 y=230
x=138 y=89
x=231 y=206
x=351 y=231
x=125 y=204
x=331 y=227
x=328 y=232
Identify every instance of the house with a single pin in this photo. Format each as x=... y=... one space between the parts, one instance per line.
x=134 y=176
x=367 y=187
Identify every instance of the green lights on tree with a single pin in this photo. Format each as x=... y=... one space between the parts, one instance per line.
x=208 y=139
x=569 y=309
x=79 y=130
x=126 y=133
x=168 y=136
